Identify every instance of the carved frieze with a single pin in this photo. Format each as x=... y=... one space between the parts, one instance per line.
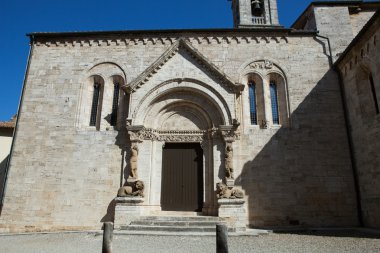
x=140 y=133
x=264 y=64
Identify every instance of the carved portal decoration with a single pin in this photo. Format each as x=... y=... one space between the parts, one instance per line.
x=140 y=133
x=225 y=192
x=135 y=189
x=229 y=161
x=133 y=160
x=229 y=135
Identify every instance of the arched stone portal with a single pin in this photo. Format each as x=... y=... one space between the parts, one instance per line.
x=187 y=113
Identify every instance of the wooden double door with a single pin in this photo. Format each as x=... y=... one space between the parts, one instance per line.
x=182 y=177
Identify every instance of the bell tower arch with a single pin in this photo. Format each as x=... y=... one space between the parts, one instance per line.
x=254 y=13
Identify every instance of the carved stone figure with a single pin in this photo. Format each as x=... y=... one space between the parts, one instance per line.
x=133 y=161
x=223 y=192
x=137 y=189
x=229 y=161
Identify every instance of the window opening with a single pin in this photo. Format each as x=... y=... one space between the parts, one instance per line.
x=374 y=93
x=115 y=104
x=252 y=103
x=95 y=102
x=274 y=101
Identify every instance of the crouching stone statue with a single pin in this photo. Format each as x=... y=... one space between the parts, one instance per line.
x=136 y=189
x=223 y=192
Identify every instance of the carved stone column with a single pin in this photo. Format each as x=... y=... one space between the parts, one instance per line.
x=130 y=197
x=136 y=136
x=229 y=135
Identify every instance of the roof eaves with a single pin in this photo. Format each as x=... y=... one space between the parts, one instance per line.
x=7 y=124
x=179 y=33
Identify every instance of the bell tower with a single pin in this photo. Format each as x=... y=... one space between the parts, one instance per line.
x=254 y=13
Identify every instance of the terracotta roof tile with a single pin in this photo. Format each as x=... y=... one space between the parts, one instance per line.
x=7 y=124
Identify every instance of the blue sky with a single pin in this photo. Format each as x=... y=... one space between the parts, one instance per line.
x=20 y=17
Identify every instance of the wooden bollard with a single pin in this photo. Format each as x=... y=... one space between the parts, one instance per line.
x=221 y=239
x=107 y=237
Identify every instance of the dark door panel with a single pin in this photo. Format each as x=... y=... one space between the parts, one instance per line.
x=182 y=177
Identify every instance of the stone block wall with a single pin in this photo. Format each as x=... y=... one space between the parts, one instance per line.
x=358 y=20
x=334 y=23
x=339 y=22
x=65 y=175
x=358 y=64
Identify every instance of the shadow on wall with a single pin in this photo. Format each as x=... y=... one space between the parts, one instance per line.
x=3 y=166
x=124 y=169
x=303 y=176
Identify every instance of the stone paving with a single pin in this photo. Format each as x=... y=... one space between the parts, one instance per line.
x=321 y=242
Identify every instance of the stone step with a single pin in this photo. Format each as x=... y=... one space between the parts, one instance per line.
x=205 y=229
x=178 y=223
x=180 y=218
x=172 y=224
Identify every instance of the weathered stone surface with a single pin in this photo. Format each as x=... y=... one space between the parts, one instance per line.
x=233 y=212
x=127 y=209
x=187 y=87
x=357 y=67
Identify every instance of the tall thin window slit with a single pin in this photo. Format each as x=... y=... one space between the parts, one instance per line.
x=373 y=90
x=252 y=103
x=115 y=104
x=95 y=102
x=274 y=102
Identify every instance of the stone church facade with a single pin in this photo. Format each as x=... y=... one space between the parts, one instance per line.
x=258 y=108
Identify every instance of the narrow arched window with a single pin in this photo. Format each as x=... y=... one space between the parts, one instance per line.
x=252 y=103
x=95 y=105
x=115 y=104
x=274 y=103
x=373 y=90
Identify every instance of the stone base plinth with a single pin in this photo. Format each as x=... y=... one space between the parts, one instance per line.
x=127 y=209
x=233 y=212
x=230 y=182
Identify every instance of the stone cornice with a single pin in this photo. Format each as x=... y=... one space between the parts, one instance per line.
x=164 y=39
x=195 y=54
x=251 y=31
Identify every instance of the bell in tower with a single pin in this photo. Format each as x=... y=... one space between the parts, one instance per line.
x=256 y=7
x=255 y=13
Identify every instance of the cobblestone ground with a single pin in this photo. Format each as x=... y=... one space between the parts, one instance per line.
x=273 y=243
